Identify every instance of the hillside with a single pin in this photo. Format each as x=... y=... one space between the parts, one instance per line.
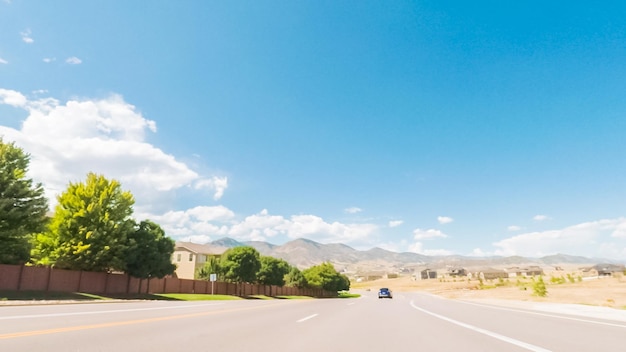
x=305 y=253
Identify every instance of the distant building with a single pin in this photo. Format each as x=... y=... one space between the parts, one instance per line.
x=608 y=269
x=489 y=274
x=589 y=271
x=428 y=274
x=189 y=257
x=529 y=271
x=371 y=275
x=457 y=271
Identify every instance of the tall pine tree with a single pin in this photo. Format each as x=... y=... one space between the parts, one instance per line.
x=23 y=206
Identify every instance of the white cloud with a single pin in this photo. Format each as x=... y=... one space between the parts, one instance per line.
x=108 y=136
x=541 y=218
x=49 y=59
x=26 y=36
x=602 y=238
x=219 y=184
x=13 y=98
x=418 y=248
x=262 y=225
x=73 y=60
x=216 y=213
x=353 y=210
x=420 y=234
x=311 y=226
x=513 y=228
x=105 y=136
x=444 y=219
x=202 y=239
x=395 y=223
x=3 y=61
x=195 y=222
x=620 y=230
x=477 y=252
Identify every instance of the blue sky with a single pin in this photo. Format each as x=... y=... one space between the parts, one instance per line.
x=482 y=128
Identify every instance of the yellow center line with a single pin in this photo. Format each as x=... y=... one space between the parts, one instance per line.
x=120 y=323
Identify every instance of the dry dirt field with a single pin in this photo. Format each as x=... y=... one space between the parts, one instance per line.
x=606 y=291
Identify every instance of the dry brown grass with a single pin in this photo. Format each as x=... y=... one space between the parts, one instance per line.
x=607 y=292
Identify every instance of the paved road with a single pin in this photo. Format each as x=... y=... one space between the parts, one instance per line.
x=409 y=322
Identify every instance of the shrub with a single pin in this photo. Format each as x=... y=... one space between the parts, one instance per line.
x=557 y=280
x=539 y=288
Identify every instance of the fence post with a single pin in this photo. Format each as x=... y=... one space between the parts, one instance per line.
x=80 y=279
x=49 y=278
x=19 y=278
x=106 y=283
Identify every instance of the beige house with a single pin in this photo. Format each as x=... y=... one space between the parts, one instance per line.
x=529 y=271
x=189 y=257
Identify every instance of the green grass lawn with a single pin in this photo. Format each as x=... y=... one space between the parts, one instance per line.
x=293 y=297
x=195 y=297
x=77 y=296
x=42 y=295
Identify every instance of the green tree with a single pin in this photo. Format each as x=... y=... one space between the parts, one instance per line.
x=149 y=252
x=90 y=227
x=325 y=276
x=22 y=205
x=295 y=278
x=240 y=264
x=272 y=271
x=211 y=266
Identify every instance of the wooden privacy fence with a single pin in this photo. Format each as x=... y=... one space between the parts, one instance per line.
x=37 y=278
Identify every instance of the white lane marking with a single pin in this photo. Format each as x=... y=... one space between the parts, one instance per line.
x=483 y=331
x=546 y=315
x=307 y=318
x=103 y=312
x=351 y=304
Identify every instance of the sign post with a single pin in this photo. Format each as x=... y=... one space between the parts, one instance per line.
x=212 y=278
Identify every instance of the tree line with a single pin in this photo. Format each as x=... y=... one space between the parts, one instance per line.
x=92 y=229
x=245 y=264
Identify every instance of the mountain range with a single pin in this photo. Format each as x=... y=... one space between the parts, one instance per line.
x=304 y=253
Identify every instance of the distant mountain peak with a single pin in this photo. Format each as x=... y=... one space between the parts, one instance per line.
x=227 y=242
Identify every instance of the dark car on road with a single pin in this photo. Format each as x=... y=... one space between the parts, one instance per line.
x=384 y=293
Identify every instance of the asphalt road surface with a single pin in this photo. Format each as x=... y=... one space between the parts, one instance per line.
x=408 y=322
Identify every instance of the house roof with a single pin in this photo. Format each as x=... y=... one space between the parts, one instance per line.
x=608 y=267
x=487 y=270
x=197 y=248
x=524 y=269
